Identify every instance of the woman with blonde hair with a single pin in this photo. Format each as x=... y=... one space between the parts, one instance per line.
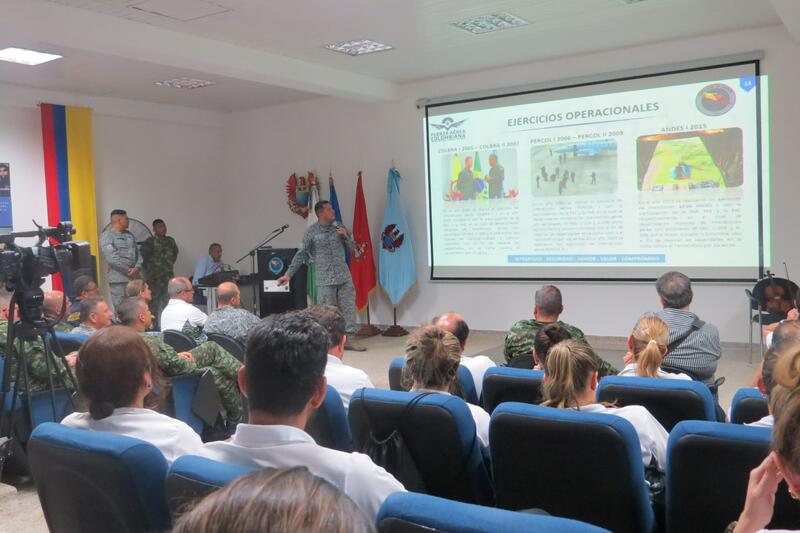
x=432 y=359
x=570 y=382
x=647 y=345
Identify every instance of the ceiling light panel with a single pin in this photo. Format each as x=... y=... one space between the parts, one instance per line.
x=180 y=10
x=26 y=57
x=185 y=82
x=489 y=23
x=358 y=47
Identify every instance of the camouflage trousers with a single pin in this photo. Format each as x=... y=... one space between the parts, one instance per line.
x=224 y=369
x=342 y=296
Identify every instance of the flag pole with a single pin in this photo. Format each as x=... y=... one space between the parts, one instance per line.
x=368 y=329
x=394 y=330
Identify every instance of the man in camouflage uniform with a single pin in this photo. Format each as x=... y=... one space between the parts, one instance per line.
x=229 y=318
x=547 y=308
x=159 y=253
x=325 y=243
x=118 y=246
x=224 y=368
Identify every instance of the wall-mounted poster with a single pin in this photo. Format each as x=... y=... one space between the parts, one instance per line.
x=5 y=196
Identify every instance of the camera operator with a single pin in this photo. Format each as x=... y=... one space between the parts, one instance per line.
x=118 y=246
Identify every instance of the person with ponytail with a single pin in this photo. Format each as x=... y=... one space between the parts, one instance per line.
x=432 y=359
x=570 y=382
x=647 y=345
x=783 y=463
x=117 y=377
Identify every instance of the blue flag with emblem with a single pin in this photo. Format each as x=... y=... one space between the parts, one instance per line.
x=396 y=256
x=334 y=200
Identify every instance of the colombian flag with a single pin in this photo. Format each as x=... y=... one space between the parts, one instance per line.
x=69 y=171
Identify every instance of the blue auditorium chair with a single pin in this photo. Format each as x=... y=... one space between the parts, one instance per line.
x=229 y=344
x=93 y=481
x=439 y=434
x=748 y=405
x=69 y=342
x=668 y=400
x=504 y=384
x=584 y=466
x=329 y=426
x=407 y=512
x=195 y=400
x=708 y=467
x=179 y=341
x=465 y=383
x=191 y=477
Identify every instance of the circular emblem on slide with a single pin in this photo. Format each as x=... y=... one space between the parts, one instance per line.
x=715 y=99
x=275 y=264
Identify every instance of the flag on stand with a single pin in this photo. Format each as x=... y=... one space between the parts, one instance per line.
x=362 y=268
x=396 y=257
x=334 y=200
x=313 y=198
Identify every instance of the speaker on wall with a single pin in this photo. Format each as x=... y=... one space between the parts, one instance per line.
x=272 y=264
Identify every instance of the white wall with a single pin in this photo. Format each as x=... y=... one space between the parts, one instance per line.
x=267 y=145
x=152 y=160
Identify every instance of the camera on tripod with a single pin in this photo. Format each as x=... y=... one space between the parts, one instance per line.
x=23 y=269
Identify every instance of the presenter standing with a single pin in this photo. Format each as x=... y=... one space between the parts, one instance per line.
x=324 y=242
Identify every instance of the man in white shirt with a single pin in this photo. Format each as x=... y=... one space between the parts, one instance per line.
x=345 y=379
x=283 y=380
x=476 y=364
x=180 y=314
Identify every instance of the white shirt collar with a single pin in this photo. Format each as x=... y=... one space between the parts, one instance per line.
x=333 y=360
x=259 y=436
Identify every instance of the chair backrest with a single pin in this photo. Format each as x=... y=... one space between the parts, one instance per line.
x=191 y=477
x=584 y=466
x=94 y=481
x=69 y=342
x=504 y=384
x=708 y=467
x=439 y=434
x=465 y=384
x=229 y=344
x=179 y=341
x=668 y=400
x=195 y=400
x=407 y=512
x=748 y=405
x=329 y=426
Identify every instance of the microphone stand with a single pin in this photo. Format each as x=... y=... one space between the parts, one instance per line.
x=252 y=254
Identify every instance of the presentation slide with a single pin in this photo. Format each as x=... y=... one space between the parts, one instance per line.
x=619 y=180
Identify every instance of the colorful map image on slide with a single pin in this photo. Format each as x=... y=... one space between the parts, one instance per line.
x=568 y=169
x=692 y=160
x=480 y=175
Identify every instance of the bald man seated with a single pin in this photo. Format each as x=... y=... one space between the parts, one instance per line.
x=53 y=305
x=229 y=318
x=476 y=364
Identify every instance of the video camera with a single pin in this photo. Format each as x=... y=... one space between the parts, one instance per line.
x=23 y=269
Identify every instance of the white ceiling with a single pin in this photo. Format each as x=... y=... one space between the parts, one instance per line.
x=264 y=52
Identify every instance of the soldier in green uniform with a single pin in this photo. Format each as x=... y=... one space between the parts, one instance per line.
x=159 y=253
x=547 y=308
x=134 y=313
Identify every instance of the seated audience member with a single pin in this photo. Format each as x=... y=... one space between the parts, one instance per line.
x=786 y=345
x=345 y=379
x=82 y=287
x=284 y=381
x=547 y=308
x=116 y=376
x=784 y=461
x=546 y=337
x=229 y=317
x=476 y=364
x=95 y=314
x=432 y=359
x=134 y=313
x=647 y=346
x=285 y=500
x=180 y=314
x=693 y=344
x=138 y=288
x=571 y=382
x=52 y=306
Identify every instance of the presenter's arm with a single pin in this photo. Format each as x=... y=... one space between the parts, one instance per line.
x=348 y=237
x=299 y=258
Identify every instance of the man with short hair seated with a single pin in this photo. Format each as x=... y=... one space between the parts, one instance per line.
x=284 y=381
x=229 y=318
x=95 y=314
x=82 y=287
x=547 y=308
x=345 y=379
x=135 y=313
x=693 y=344
x=180 y=314
x=476 y=364
x=53 y=305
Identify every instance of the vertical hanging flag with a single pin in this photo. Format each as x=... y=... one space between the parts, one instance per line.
x=396 y=257
x=362 y=268
x=69 y=171
x=335 y=204
x=313 y=198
